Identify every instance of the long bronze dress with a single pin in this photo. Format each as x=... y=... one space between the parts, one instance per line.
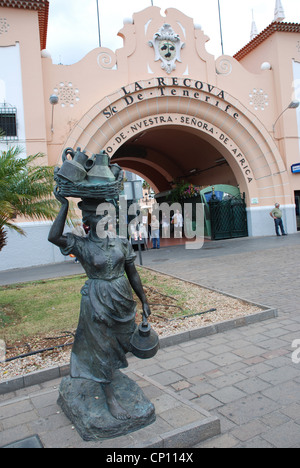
x=107 y=313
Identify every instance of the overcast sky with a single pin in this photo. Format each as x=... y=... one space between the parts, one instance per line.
x=73 y=25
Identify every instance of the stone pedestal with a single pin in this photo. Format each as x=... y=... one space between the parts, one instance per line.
x=84 y=403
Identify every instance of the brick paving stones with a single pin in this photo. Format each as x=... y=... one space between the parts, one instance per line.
x=244 y=377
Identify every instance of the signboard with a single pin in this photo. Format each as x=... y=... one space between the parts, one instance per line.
x=296 y=168
x=133 y=190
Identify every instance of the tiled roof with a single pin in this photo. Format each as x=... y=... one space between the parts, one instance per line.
x=27 y=4
x=271 y=29
x=43 y=11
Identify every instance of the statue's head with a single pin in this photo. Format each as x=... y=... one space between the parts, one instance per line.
x=89 y=209
x=99 y=215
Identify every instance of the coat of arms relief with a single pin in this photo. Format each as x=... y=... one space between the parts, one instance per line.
x=167 y=46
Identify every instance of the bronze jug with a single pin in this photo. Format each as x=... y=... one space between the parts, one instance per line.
x=98 y=171
x=115 y=169
x=73 y=169
x=144 y=342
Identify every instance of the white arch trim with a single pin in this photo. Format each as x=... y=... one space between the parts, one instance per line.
x=199 y=107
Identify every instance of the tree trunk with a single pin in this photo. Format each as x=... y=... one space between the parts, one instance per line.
x=2 y=238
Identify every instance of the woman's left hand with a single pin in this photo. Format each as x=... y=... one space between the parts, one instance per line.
x=59 y=197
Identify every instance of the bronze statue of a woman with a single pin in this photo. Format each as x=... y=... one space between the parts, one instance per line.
x=108 y=310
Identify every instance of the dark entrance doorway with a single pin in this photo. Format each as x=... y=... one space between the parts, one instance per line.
x=168 y=155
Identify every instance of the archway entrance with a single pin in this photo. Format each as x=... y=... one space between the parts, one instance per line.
x=168 y=128
x=171 y=156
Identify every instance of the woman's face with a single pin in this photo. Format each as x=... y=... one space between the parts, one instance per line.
x=97 y=223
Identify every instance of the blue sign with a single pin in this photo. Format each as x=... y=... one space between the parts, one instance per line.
x=295 y=168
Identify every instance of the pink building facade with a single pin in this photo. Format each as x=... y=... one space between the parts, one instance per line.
x=160 y=106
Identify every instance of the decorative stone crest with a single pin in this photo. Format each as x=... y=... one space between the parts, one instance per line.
x=167 y=46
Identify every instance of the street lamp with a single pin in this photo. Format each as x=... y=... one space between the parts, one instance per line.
x=292 y=105
x=53 y=101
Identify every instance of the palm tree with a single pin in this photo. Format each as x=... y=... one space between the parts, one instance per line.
x=25 y=190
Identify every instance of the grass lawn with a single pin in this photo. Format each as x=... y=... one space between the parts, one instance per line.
x=37 y=309
x=41 y=307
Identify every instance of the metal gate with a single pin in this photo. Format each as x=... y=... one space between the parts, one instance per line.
x=228 y=218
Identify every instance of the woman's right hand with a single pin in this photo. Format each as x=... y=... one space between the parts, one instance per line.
x=146 y=310
x=59 y=197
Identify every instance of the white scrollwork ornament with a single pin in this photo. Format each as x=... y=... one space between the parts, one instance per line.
x=107 y=60
x=167 y=46
x=224 y=67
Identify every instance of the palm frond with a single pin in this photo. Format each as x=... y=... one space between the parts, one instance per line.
x=26 y=189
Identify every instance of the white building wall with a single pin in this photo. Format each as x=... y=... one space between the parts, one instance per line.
x=296 y=68
x=260 y=222
x=30 y=250
x=11 y=91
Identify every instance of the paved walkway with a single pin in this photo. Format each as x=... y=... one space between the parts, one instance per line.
x=246 y=376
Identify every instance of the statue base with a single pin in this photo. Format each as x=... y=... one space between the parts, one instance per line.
x=84 y=403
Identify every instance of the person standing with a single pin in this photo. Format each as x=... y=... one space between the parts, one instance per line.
x=155 y=232
x=177 y=220
x=276 y=214
x=149 y=224
x=165 y=226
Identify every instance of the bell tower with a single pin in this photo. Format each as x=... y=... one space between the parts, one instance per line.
x=279 y=14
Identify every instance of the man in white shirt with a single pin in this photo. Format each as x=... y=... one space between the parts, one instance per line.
x=155 y=232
